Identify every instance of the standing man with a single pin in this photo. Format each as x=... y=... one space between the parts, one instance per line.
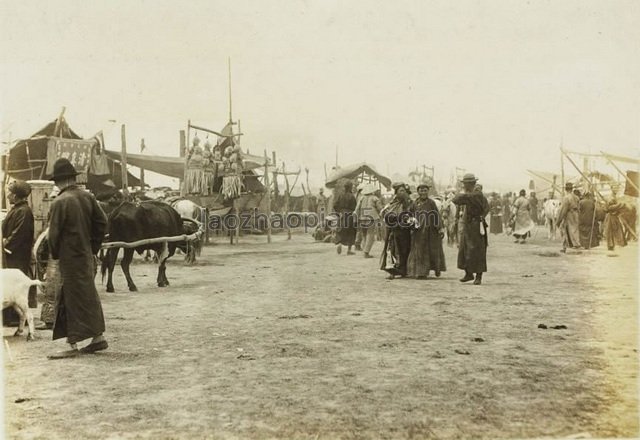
x=321 y=206
x=368 y=216
x=472 y=250
x=588 y=222
x=77 y=226
x=17 y=239
x=533 y=205
x=568 y=219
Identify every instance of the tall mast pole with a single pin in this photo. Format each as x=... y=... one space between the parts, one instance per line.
x=230 y=118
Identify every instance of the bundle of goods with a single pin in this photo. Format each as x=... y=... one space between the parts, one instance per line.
x=232 y=167
x=194 y=177
x=231 y=186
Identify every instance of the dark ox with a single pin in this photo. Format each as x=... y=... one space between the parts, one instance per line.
x=131 y=222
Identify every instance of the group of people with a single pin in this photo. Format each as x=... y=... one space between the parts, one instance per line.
x=77 y=227
x=415 y=229
x=583 y=222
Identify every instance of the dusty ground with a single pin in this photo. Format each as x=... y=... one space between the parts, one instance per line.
x=290 y=340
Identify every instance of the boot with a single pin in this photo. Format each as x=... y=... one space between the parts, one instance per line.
x=468 y=276
x=478 y=279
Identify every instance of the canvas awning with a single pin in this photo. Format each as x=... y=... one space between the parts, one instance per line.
x=174 y=166
x=353 y=171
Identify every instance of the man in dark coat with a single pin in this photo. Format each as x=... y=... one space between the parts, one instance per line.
x=17 y=240
x=77 y=226
x=472 y=250
x=588 y=222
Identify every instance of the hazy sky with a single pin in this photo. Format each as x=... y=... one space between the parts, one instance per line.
x=490 y=86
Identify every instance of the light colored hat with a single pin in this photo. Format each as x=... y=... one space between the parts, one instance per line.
x=469 y=178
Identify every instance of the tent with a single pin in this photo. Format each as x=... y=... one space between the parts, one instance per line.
x=174 y=167
x=362 y=172
x=27 y=159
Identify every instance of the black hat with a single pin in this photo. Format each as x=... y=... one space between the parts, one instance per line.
x=20 y=188
x=568 y=186
x=63 y=169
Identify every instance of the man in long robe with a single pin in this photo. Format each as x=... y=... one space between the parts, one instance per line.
x=568 y=219
x=472 y=250
x=613 y=229
x=77 y=226
x=533 y=204
x=588 y=222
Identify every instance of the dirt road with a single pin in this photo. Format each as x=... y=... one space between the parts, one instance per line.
x=290 y=340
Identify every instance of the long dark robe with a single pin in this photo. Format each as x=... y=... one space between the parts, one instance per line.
x=426 y=244
x=77 y=226
x=533 y=204
x=397 y=244
x=495 y=223
x=17 y=229
x=588 y=224
x=344 y=206
x=472 y=250
x=613 y=230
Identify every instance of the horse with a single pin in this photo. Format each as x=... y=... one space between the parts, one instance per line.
x=551 y=208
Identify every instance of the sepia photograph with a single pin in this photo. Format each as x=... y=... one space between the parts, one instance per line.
x=320 y=219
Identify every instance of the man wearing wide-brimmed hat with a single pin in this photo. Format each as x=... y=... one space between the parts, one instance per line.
x=569 y=220
x=472 y=249
x=77 y=226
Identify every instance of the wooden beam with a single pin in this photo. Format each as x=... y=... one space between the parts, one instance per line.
x=268 y=189
x=123 y=161
x=591 y=185
x=631 y=182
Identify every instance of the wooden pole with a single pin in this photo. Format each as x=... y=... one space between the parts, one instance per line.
x=631 y=182
x=230 y=118
x=276 y=190
x=585 y=177
x=562 y=167
x=182 y=153
x=286 y=202
x=58 y=123
x=183 y=187
x=142 y=147
x=553 y=183
x=123 y=161
x=268 y=189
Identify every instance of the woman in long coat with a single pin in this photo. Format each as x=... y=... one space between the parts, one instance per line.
x=426 y=241
x=344 y=206
x=397 y=244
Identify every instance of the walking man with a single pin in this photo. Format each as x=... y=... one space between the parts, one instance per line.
x=77 y=226
x=472 y=250
x=568 y=219
x=368 y=216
